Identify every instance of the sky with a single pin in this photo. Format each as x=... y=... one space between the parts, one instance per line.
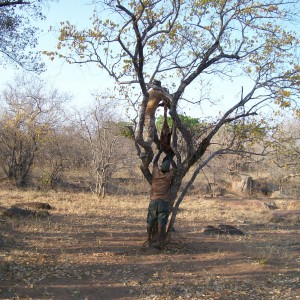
x=81 y=82
x=78 y=81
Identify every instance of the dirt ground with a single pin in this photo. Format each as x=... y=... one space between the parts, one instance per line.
x=92 y=249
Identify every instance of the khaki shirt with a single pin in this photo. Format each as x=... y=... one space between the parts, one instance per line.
x=161 y=182
x=155 y=97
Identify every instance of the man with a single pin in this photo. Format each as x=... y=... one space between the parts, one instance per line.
x=156 y=98
x=158 y=210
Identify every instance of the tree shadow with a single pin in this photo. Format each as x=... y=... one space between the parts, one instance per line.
x=90 y=256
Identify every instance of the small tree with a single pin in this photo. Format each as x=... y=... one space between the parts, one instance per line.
x=29 y=113
x=98 y=128
x=283 y=161
x=53 y=158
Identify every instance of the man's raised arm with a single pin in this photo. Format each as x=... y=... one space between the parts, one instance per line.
x=156 y=157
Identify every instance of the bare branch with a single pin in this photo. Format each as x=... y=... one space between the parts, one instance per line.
x=11 y=3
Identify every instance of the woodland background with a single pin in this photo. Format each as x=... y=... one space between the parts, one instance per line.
x=47 y=146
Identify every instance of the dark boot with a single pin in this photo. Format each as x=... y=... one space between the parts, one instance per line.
x=160 y=237
x=149 y=233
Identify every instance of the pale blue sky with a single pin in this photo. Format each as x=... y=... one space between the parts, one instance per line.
x=82 y=81
x=78 y=81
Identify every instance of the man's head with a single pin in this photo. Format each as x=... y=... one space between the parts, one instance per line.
x=165 y=166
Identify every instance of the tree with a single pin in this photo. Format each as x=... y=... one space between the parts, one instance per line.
x=55 y=156
x=29 y=113
x=283 y=160
x=189 y=122
x=99 y=129
x=17 y=35
x=182 y=42
x=250 y=138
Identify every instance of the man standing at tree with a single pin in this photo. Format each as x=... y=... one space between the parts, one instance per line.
x=158 y=210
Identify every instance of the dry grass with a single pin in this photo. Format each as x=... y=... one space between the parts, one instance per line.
x=92 y=249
